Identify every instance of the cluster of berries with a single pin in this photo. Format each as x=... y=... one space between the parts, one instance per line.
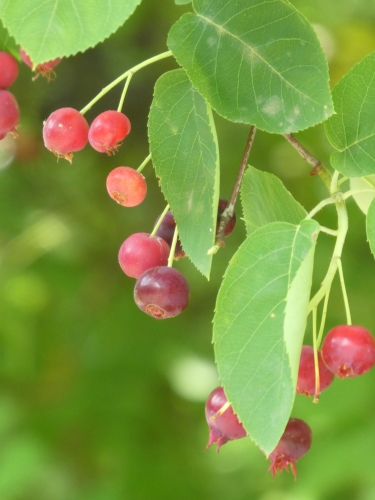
x=347 y=351
x=9 y=109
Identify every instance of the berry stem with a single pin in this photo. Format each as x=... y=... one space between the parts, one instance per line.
x=119 y=79
x=351 y=192
x=344 y=294
x=144 y=163
x=323 y=318
x=160 y=220
x=125 y=89
x=318 y=167
x=173 y=247
x=342 y=229
x=316 y=361
x=228 y=212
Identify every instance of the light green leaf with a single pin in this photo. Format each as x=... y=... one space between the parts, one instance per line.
x=185 y=154
x=265 y=199
x=255 y=61
x=180 y=2
x=50 y=29
x=259 y=325
x=7 y=43
x=367 y=186
x=370 y=227
x=352 y=130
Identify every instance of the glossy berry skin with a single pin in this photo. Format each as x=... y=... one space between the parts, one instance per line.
x=126 y=186
x=162 y=292
x=349 y=350
x=9 y=113
x=306 y=373
x=293 y=444
x=44 y=69
x=8 y=70
x=166 y=231
x=64 y=132
x=223 y=203
x=222 y=421
x=140 y=252
x=108 y=130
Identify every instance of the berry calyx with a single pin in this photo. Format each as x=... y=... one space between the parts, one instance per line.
x=223 y=203
x=8 y=71
x=108 y=130
x=349 y=350
x=293 y=444
x=64 y=132
x=126 y=186
x=306 y=373
x=9 y=113
x=140 y=252
x=166 y=231
x=162 y=292
x=44 y=69
x=222 y=421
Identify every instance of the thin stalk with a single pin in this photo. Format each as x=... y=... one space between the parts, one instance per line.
x=327 y=230
x=160 y=220
x=122 y=77
x=173 y=247
x=344 y=294
x=323 y=318
x=123 y=94
x=318 y=167
x=319 y=206
x=144 y=163
x=351 y=192
x=316 y=361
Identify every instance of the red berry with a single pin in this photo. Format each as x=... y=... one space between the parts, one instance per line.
x=44 y=69
x=162 y=292
x=64 y=132
x=8 y=70
x=166 y=231
x=140 y=252
x=293 y=444
x=349 y=350
x=9 y=113
x=306 y=373
x=222 y=421
x=126 y=186
x=108 y=130
x=231 y=222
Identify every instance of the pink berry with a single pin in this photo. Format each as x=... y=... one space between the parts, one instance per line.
x=126 y=186
x=44 y=69
x=140 y=252
x=108 y=130
x=222 y=421
x=9 y=113
x=64 y=132
x=306 y=373
x=293 y=444
x=162 y=292
x=166 y=231
x=8 y=70
x=349 y=350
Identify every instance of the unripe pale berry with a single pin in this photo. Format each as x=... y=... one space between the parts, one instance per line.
x=126 y=186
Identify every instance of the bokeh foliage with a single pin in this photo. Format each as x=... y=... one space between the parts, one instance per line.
x=100 y=402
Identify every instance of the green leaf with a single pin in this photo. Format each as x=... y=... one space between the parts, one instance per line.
x=367 y=186
x=255 y=61
x=181 y=2
x=50 y=29
x=352 y=130
x=370 y=227
x=265 y=199
x=7 y=43
x=259 y=325
x=185 y=154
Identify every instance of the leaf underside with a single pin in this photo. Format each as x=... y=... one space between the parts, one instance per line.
x=185 y=155
x=352 y=129
x=59 y=28
x=255 y=61
x=259 y=324
x=370 y=227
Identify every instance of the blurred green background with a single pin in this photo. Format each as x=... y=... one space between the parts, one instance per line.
x=99 y=401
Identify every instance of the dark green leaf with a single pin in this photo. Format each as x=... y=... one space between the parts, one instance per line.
x=185 y=155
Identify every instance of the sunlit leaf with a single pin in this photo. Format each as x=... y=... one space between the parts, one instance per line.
x=255 y=61
x=185 y=155
x=259 y=325
x=370 y=226
x=366 y=191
